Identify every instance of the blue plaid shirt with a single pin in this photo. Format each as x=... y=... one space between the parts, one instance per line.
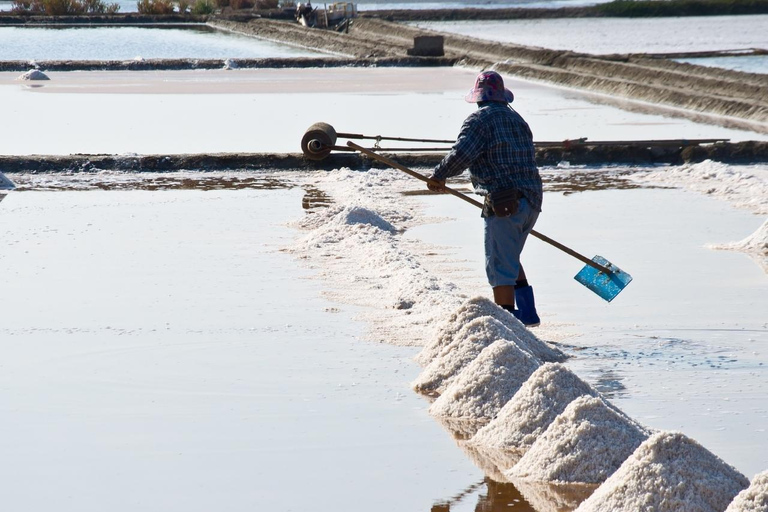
x=496 y=145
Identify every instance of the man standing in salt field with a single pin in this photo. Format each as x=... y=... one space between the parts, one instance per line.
x=496 y=145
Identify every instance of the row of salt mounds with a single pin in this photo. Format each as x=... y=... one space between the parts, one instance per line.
x=754 y=498
x=360 y=249
x=756 y=245
x=465 y=347
x=584 y=444
x=669 y=472
x=476 y=307
x=744 y=186
x=487 y=383
x=523 y=419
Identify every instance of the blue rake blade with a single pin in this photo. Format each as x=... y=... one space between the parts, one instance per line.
x=607 y=286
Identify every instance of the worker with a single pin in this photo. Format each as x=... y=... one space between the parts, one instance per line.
x=496 y=145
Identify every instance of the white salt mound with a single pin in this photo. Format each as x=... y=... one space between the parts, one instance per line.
x=478 y=307
x=534 y=407
x=33 y=74
x=754 y=498
x=668 y=473
x=756 y=245
x=585 y=444
x=487 y=383
x=465 y=347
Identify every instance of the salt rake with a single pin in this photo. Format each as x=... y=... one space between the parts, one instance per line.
x=599 y=275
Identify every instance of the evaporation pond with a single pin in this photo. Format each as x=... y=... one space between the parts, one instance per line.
x=160 y=352
x=123 y=43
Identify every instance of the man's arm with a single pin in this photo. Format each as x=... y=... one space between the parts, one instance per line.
x=466 y=150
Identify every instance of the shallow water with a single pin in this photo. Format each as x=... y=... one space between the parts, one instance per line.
x=620 y=35
x=269 y=110
x=748 y=64
x=161 y=353
x=124 y=43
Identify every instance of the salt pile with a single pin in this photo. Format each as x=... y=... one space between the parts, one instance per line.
x=33 y=74
x=756 y=245
x=534 y=407
x=465 y=347
x=361 y=252
x=481 y=307
x=487 y=383
x=585 y=444
x=754 y=498
x=669 y=472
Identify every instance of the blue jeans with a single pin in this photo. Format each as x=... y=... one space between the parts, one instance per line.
x=504 y=241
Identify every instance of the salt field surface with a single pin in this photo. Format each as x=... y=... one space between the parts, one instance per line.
x=747 y=64
x=125 y=43
x=620 y=35
x=253 y=112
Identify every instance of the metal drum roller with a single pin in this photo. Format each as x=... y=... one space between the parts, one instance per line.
x=318 y=141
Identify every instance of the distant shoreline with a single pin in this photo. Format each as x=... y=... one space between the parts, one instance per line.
x=616 y=8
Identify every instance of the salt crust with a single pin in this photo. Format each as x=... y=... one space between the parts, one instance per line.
x=754 y=498
x=669 y=472
x=448 y=331
x=487 y=383
x=534 y=407
x=584 y=444
x=33 y=74
x=465 y=347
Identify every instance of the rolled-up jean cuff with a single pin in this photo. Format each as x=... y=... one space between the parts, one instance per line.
x=504 y=241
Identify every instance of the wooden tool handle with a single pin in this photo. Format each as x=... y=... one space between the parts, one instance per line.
x=468 y=199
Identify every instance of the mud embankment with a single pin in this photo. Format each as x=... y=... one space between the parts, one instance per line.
x=742 y=152
x=165 y=20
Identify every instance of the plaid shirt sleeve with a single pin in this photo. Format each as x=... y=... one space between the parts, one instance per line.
x=468 y=147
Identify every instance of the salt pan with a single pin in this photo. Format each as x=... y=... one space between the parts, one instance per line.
x=478 y=307
x=669 y=472
x=548 y=497
x=584 y=444
x=533 y=408
x=487 y=383
x=754 y=498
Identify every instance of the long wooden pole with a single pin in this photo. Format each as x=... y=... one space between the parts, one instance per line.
x=475 y=202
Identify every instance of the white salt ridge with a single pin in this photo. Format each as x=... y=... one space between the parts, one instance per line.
x=359 y=250
x=669 y=472
x=584 y=444
x=744 y=186
x=480 y=307
x=33 y=74
x=545 y=395
x=754 y=498
x=756 y=245
x=487 y=383
x=465 y=347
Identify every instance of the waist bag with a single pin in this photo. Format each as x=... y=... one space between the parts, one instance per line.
x=502 y=203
